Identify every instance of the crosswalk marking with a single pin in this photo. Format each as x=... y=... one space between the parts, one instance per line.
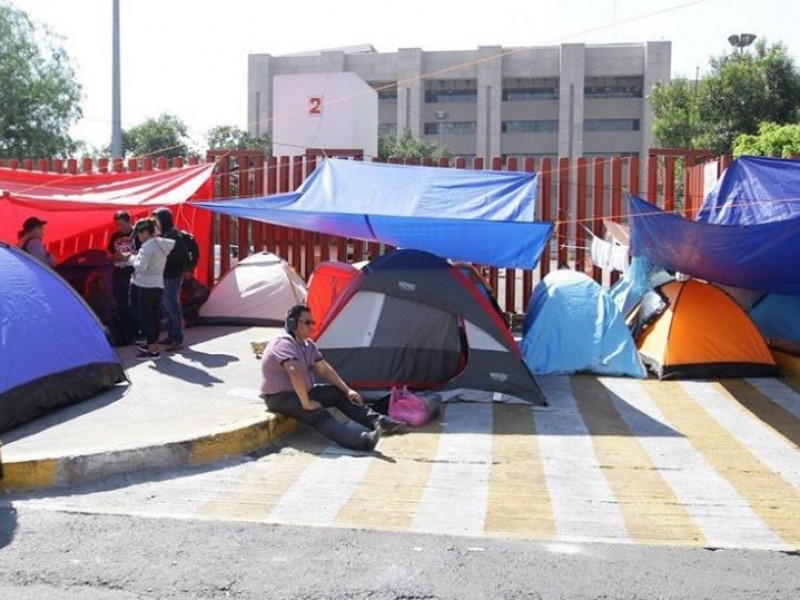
x=454 y=500
x=772 y=450
x=649 y=506
x=714 y=505
x=771 y=497
x=780 y=393
x=391 y=490
x=519 y=502
x=611 y=460
x=251 y=492
x=320 y=491
x=584 y=507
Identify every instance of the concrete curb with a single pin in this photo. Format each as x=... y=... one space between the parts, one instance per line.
x=69 y=470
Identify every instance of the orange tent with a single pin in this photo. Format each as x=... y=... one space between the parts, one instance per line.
x=692 y=329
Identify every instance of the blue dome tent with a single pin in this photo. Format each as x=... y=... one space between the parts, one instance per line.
x=53 y=350
x=573 y=326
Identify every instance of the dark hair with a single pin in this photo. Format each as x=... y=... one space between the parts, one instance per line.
x=29 y=225
x=122 y=215
x=293 y=314
x=148 y=225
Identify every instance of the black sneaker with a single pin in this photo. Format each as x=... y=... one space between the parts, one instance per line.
x=372 y=438
x=143 y=354
x=390 y=425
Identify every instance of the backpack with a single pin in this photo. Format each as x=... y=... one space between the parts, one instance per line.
x=192 y=248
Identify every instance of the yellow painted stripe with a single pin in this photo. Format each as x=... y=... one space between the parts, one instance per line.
x=650 y=509
x=771 y=497
x=519 y=502
x=767 y=411
x=390 y=492
x=251 y=496
x=29 y=475
x=239 y=441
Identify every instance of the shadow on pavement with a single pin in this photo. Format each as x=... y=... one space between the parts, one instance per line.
x=62 y=415
x=8 y=524
x=179 y=370
x=764 y=409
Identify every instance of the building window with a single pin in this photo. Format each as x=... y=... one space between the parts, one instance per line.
x=387 y=129
x=451 y=127
x=436 y=96
x=524 y=94
x=540 y=126
x=387 y=90
x=611 y=125
x=613 y=87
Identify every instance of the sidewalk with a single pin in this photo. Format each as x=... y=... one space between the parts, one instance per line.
x=193 y=407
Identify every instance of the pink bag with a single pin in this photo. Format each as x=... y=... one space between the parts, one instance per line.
x=407 y=407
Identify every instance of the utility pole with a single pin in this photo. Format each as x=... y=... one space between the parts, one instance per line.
x=116 y=103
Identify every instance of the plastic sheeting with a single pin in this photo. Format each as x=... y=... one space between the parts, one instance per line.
x=484 y=217
x=756 y=257
x=573 y=326
x=754 y=190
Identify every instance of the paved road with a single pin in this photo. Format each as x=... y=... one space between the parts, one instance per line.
x=691 y=464
x=59 y=556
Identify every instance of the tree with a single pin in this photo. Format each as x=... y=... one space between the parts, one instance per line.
x=772 y=140
x=39 y=95
x=165 y=136
x=407 y=146
x=231 y=137
x=742 y=90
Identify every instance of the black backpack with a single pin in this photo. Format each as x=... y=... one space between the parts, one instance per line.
x=192 y=249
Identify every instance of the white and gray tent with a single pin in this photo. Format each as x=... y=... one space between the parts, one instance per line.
x=258 y=291
x=412 y=318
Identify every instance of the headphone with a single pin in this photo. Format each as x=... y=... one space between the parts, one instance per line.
x=292 y=315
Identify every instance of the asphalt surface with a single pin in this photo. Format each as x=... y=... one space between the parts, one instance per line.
x=58 y=555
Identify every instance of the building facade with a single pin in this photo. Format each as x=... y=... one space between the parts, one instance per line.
x=569 y=100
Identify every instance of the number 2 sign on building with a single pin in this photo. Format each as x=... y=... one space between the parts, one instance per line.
x=315 y=106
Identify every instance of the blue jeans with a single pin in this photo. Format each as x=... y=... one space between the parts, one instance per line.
x=172 y=306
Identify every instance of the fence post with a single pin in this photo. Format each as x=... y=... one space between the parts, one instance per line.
x=529 y=166
x=580 y=218
x=563 y=211
x=242 y=192
x=652 y=179
x=598 y=209
x=511 y=274
x=547 y=199
x=669 y=183
x=224 y=164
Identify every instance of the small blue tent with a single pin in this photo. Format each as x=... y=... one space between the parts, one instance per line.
x=53 y=350
x=778 y=317
x=572 y=325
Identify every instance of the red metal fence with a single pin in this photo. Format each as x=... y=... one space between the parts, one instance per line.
x=577 y=195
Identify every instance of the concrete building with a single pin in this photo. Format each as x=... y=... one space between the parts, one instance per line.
x=568 y=100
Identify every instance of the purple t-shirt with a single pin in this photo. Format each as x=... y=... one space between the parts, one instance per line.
x=274 y=378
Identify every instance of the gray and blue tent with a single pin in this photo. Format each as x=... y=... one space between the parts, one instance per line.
x=412 y=318
x=573 y=326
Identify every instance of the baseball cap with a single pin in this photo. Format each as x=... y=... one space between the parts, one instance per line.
x=32 y=223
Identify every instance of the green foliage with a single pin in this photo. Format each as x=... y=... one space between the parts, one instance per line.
x=742 y=90
x=166 y=136
x=407 y=146
x=231 y=137
x=39 y=96
x=772 y=140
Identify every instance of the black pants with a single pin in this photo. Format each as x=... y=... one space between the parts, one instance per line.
x=287 y=403
x=150 y=311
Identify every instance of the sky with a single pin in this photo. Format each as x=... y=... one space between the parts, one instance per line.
x=189 y=57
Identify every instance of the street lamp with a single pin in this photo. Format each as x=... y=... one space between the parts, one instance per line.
x=441 y=116
x=741 y=41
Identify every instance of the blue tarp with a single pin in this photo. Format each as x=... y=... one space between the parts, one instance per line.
x=756 y=257
x=572 y=325
x=778 y=317
x=754 y=190
x=484 y=217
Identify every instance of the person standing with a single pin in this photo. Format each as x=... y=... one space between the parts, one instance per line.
x=289 y=368
x=124 y=240
x=148 y=281
x=177 y=261
x=30 y=239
